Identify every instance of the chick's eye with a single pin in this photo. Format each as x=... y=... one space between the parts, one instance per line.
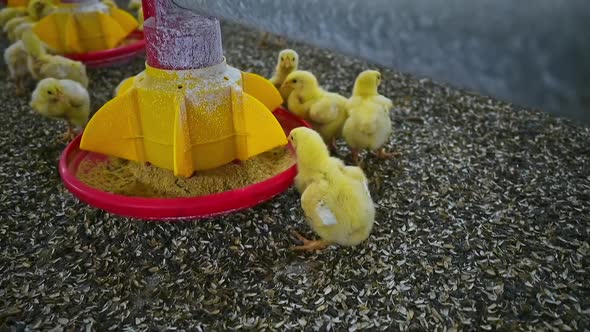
x=49 y=92
x=294 y=81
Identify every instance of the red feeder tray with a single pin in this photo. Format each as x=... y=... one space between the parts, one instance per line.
x=175 y=208
x=113 y=56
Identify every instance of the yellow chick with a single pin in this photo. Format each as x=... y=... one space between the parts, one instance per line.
x=42 y=65
x=36 y=10
x=110 y=3
x=140 y=18
x=8 y=13
x=368 y=125
x=264 y=40
x=335 y=198
x=287 y=62
x=13 y=23
x=17 y=33
x=65 y=99
x=15 y=57
x=135 y=4
x=326 y=111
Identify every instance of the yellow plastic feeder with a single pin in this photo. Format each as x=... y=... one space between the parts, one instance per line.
x=82 y=26
x=188 y=110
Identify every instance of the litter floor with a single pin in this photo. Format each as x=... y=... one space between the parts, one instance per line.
x=482 y=224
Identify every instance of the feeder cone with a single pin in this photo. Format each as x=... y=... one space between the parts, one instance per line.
x=82 y=26
x=188 y=110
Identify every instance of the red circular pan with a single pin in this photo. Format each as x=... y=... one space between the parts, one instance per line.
x=175 y=208
x=112 y=56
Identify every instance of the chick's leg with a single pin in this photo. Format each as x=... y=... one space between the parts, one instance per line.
x=69 y=135
x=281 y=41
x=382 y=154
x=20 y=87
x=262 y=42
x=333 y=145
x=354 y=153
x=309 y=245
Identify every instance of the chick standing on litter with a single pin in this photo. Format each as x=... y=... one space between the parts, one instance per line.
x=42 y=65
x=136 y=6
x=64 y=99
x=265 y=36
x=111 y=4
x=12 y=24
x=368 y=125
x=15 y=57
x=8 y=13
x=335 y=198
x=36 y=10
x=288 y=61
x=326 y=111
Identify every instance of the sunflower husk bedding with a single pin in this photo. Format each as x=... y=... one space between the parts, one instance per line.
x=482 y=224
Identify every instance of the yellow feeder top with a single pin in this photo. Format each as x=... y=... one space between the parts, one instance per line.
x=188 y=120
x=82 y=26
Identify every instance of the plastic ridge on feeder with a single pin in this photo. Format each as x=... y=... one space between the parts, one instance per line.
x=82 y=26
x=188 y=110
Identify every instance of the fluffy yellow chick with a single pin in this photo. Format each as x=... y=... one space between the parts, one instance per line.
x=368 y=125
x=42 y=65
x=326 y=111
x=264 y=40
x=17 y=33
x=135 y=4
x=335 y=198
x=65 y=99
x=140 y=18
x=287 y=62
x=8 y=13
x=110 y=3
x=13 y=23
x=16 y=60
x=36 y=10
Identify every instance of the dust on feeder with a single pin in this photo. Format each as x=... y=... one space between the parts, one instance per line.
x=188 y=112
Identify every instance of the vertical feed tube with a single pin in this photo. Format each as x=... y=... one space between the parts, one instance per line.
x=177 y=39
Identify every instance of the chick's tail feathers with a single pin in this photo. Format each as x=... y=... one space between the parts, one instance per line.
x=32 y=44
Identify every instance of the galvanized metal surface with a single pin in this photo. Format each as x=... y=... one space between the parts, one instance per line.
x=530 y=53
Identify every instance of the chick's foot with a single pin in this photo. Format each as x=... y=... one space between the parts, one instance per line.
x=69 y=135
x=333 y=145
x=382 y=154
x=20 y=88
x=309 y=245
x=354 y=153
